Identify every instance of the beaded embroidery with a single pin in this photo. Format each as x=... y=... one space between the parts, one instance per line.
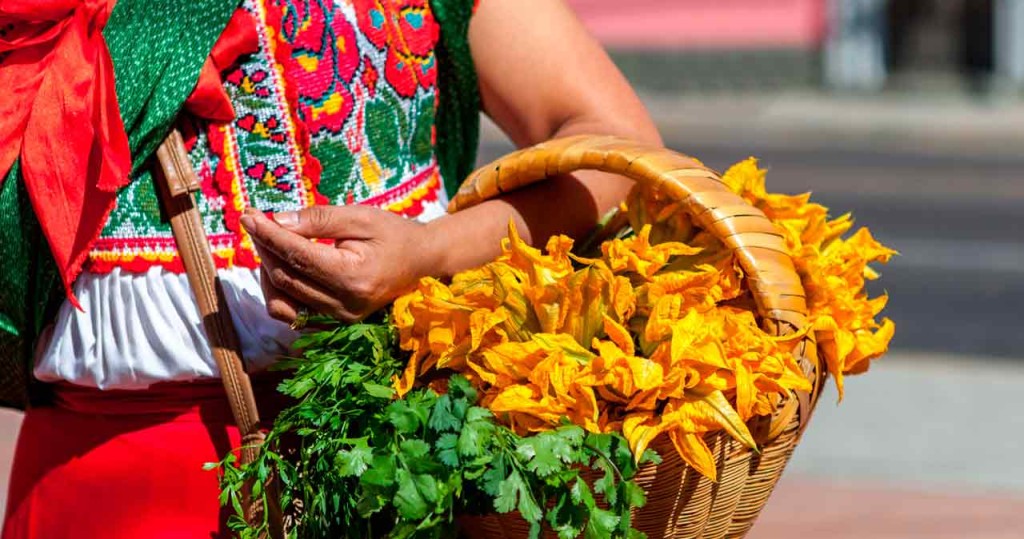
x=336 y=107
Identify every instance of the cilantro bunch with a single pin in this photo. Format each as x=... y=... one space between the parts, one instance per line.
x=353 y=461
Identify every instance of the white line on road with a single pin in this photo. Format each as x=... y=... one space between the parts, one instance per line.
x=958 y=255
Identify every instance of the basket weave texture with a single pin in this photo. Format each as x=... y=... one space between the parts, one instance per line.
x=681 y=503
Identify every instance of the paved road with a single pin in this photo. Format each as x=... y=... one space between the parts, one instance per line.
x=959 y=284
x=923 y=446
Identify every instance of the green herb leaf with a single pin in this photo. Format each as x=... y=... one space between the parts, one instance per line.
x=441 y=417
x=508 y=493
x=410 y=503
x=477 y=413
x=446 y=452
x=632 y=495
x=412 y=449
x=601 y=524
x=542 y=453
x=460 y=388
x=568 y=517
x=381 y=472
x=379 y=391
x=355 y=461
x=405 y=420
x=366 y=469
x=472 y=437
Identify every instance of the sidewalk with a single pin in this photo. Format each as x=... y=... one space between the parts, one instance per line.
x=952 y=125
x=802 y=508
x=949 y=146
x=10 y=421
x=932 y=124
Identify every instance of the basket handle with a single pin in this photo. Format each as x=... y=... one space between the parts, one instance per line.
x=752 y=237
x=757 y=244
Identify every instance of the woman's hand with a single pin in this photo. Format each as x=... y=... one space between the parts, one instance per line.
x=374 y=257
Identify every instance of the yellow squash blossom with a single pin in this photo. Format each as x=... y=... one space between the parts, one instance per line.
x=656 y=337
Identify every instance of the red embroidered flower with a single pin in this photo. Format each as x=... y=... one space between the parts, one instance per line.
x=400 y=71
x=418 y=28
x=370 y=76
x=323 y=63
x=409 y=33
x=372 y=16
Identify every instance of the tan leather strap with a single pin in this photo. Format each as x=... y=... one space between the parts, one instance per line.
x=176 y=182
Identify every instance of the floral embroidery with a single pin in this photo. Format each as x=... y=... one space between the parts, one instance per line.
x=410 y=63
x=324 y=59
x=337 y=107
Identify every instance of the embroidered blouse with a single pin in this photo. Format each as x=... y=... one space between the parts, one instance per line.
x=337 y=107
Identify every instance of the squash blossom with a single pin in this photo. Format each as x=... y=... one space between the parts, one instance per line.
x=657 y=335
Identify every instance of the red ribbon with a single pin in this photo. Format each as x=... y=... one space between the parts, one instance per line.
x=209 y=100
x=60 y=115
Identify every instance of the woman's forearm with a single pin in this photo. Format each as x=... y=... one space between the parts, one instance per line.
x=542 y=76
x=567 y=204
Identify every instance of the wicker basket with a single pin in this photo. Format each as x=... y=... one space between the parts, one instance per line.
x=680 y=502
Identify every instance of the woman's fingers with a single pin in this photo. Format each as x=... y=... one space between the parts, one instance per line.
x=376 y=256
x=285 y=281
x=301 y=255
x=279 y=305
x=333 y=222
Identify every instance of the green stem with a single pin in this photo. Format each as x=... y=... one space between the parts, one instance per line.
x=607 y=459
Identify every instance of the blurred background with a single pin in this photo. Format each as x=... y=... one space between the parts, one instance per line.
x=910 y=114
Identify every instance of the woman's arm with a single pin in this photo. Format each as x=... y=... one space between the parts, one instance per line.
x=541 y=76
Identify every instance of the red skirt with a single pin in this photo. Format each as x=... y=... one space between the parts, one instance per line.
x=124 y=464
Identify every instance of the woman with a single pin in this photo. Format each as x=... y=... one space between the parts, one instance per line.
x=332 y=135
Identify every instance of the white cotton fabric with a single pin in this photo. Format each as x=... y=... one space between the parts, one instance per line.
x=136 y=329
